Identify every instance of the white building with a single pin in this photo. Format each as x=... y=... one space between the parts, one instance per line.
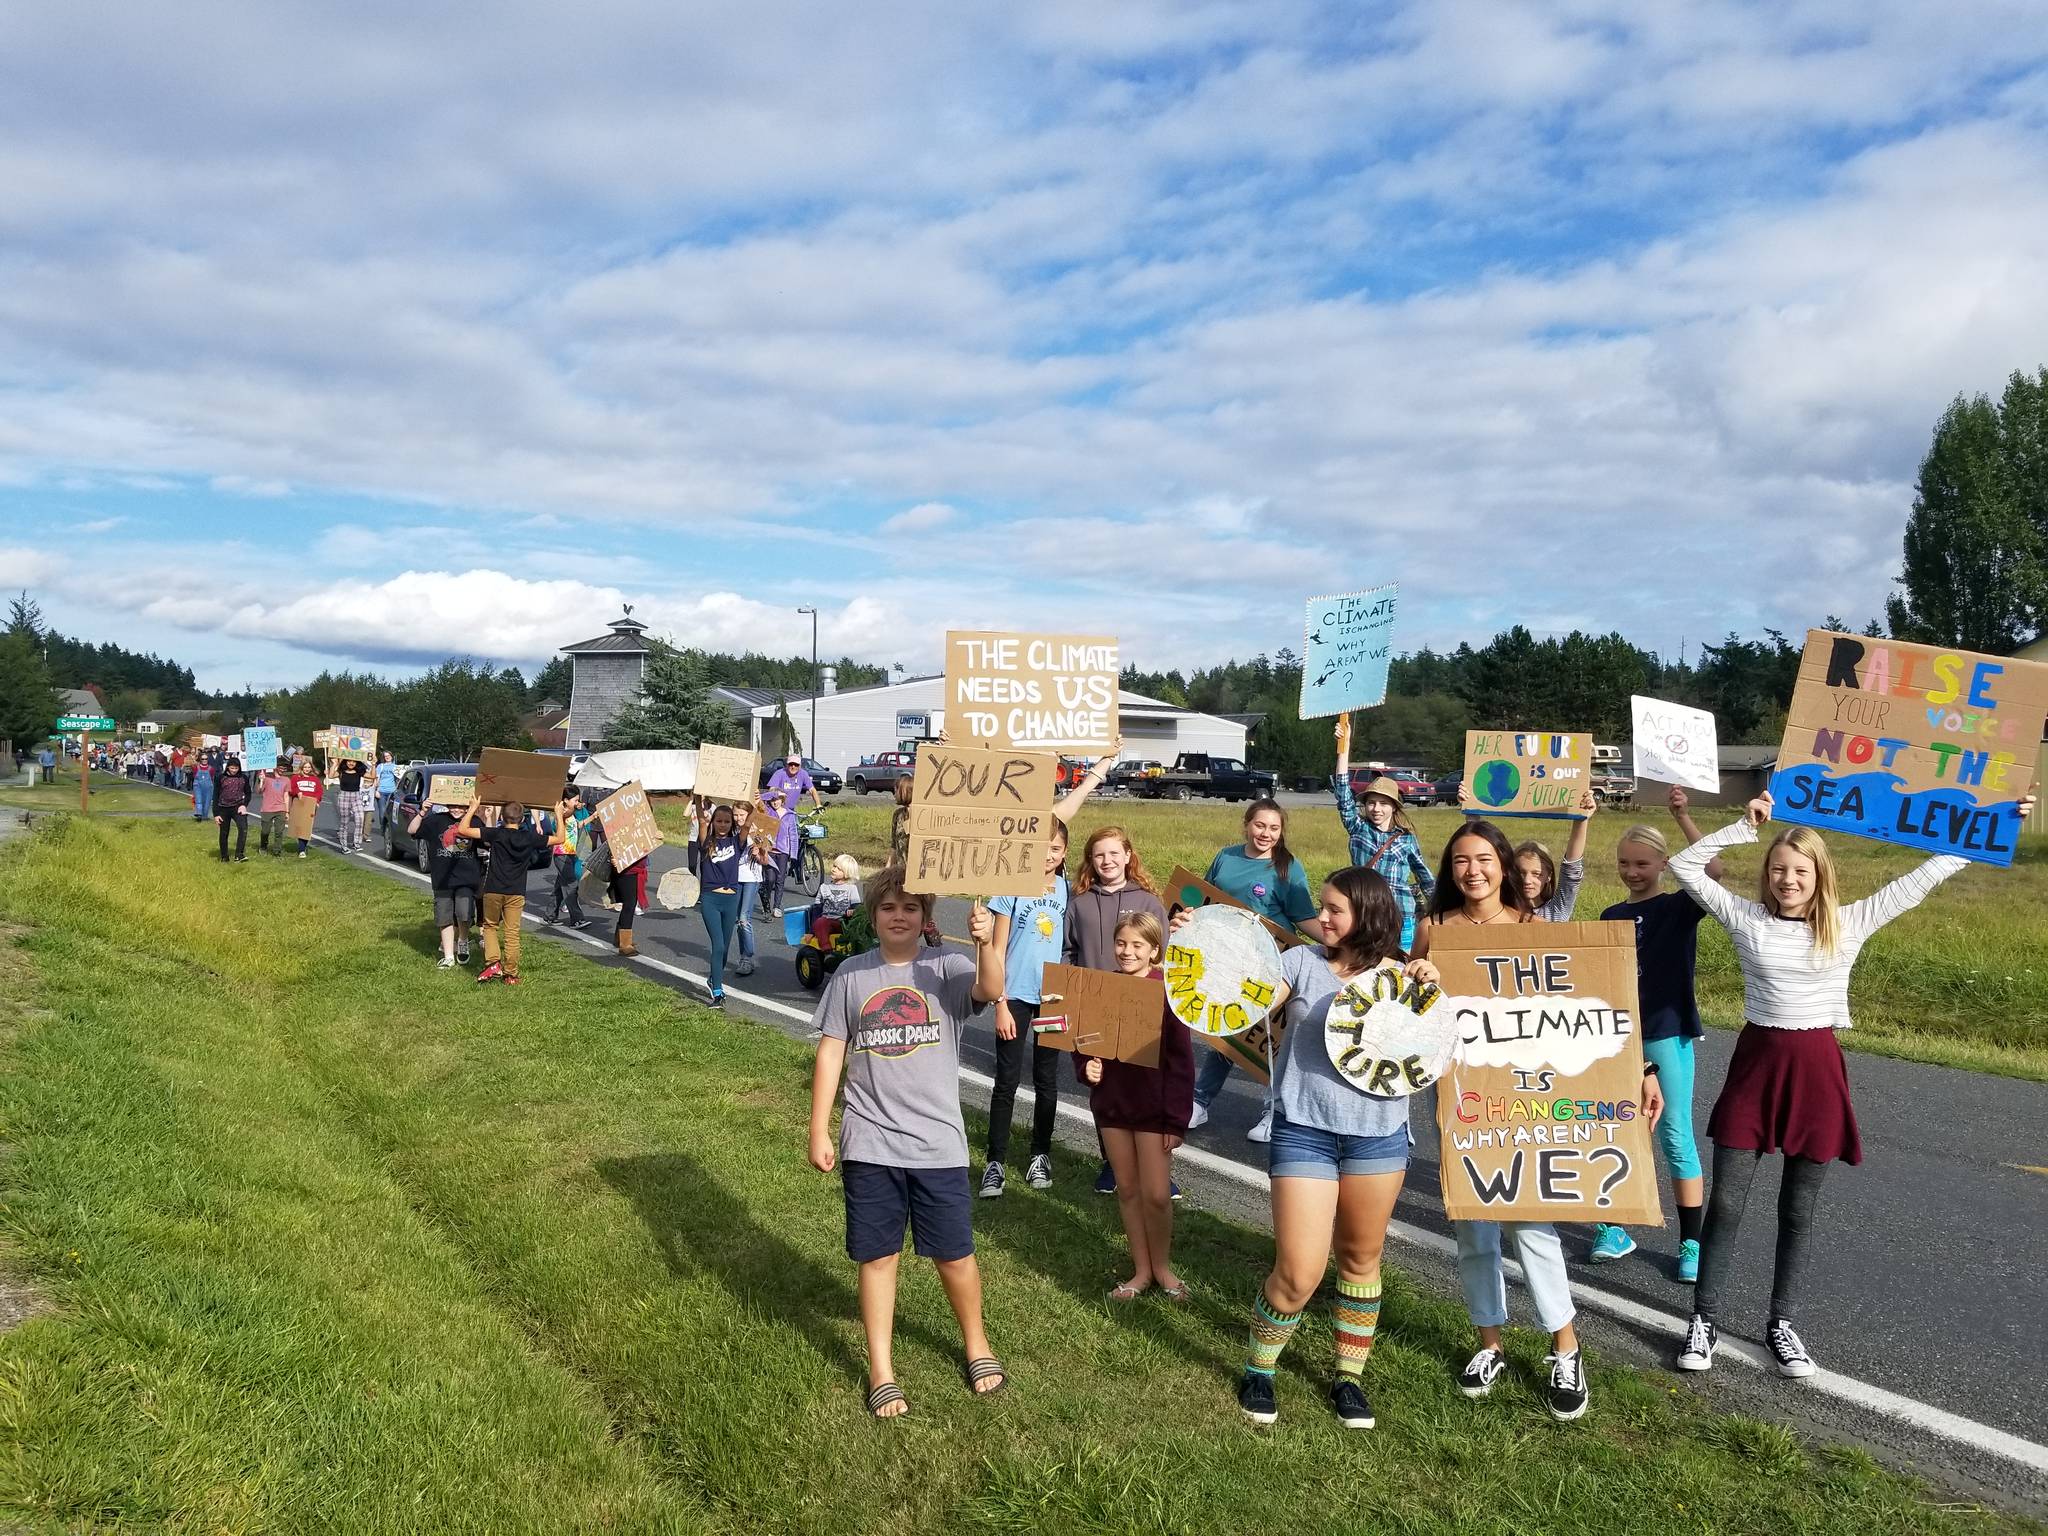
x=854 y=723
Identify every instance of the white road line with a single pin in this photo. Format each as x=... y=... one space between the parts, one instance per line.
x=1925 y=1416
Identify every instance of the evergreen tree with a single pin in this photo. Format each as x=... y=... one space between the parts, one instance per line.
x=1976 y=547
x=28 y=700
x=675 y=708
x=25 y=617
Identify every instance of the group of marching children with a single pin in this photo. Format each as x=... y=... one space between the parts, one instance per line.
x=890 y=1023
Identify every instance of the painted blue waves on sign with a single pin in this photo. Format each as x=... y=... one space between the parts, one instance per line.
x=1870 y=804
x=1348 y=646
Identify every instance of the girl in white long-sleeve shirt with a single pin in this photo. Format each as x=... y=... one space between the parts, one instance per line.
x=1787 y=1089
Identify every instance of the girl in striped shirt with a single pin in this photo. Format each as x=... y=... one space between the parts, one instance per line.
x=1787 y=1089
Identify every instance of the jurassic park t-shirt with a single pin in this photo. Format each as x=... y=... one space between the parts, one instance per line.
x=901 y=1025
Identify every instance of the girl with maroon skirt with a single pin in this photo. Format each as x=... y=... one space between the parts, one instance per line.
x=1141 y=1114
x=1787 y=1089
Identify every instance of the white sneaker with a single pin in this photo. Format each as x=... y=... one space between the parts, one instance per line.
x=1700 y=1339
x=1038 y=1172
x=445 y=963
x=1791 y=1355
x=1199 y=1118
x=1263 y=1131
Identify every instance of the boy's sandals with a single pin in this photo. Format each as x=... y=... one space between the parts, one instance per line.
x=882 y=1396
x=985 y=1369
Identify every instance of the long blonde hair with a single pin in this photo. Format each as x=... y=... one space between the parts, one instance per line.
x=1823 y=913
x=1135 y=872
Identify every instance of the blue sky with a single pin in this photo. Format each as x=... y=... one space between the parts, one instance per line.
x=366 y=337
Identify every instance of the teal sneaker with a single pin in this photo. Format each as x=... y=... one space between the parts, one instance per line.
x=1689 y=1260
x=1611 y=1243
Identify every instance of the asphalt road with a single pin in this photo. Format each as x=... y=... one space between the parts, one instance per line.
x=1927 y=1282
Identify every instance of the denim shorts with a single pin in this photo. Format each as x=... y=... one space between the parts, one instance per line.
x=881 y=1201
x=1308 y=1152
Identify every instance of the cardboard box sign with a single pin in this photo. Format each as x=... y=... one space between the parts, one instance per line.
x=980 y=821
x=454 y=789
x=1102 y=1013
x=1917 y=745
x=1039 y=693
x=1527 y=773
x=728 y=775
x=1541 y=1112
x=628 y=823
x=1674 y=744
x=534 y=779
x=1188 y=889
x=1347 y=649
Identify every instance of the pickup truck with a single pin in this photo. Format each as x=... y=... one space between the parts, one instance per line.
x=881 y=771
x=1197 y=773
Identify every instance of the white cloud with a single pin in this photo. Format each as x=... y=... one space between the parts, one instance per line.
x=922 y=518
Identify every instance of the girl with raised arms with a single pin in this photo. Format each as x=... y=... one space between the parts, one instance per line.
x=1787 y=1089
x=1381 y=838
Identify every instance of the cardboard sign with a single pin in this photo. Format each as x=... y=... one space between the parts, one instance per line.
x=206 y=740
x=980 y=821
x=1102 y=1013
x=1347 y=650
x=1675 y=744
x=356 y=741
x=727 y=775
x=1188 y=889
x=1037 y=693
x=1911 y=744
x=1541 y=1112
x=1527 y=773
x=531 y=778
x=628 y=823
x=235 y=746
x=323 y=739
x=451 y=789
x=259 y=746
x=1388 y=1035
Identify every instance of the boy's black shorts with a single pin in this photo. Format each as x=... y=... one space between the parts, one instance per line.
x=935 y=1202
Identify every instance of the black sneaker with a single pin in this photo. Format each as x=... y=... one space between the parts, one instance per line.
x=581 y=922
x=992 y=1182
x=1174 y=1186
x=1791 y=1355
x=1105 y=1180
x=1348 y=1398
x=1700 y=1339
x=1481 y=1371
x=1255 y=1398
x=462 y=950
x=1567 y=1395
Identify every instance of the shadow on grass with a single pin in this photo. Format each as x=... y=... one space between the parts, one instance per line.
x=702 y=1228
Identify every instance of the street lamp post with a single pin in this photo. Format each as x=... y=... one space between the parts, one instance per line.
x=814 y=681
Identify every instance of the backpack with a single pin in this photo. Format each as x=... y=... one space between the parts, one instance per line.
x=597 y=864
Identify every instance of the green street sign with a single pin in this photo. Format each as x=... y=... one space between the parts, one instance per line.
x=83 y=723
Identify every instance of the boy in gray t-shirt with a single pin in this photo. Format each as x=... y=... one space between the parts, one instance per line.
x=890 y=1021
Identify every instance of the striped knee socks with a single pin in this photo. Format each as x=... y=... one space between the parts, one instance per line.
x=1357 y=1316
x=1270 y=1332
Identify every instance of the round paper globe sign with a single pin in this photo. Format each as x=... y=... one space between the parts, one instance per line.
x=1222 y=971
x=1497 y=782
x=678 y=890
x=1388 y=1036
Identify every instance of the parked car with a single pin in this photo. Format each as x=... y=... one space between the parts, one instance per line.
x=1197 y=773
x=828 y=782
x=880 y=771
x=1445 y=790
x=412 y=786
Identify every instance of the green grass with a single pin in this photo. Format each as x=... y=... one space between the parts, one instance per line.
x=1962 y=981
x=110 y=793
x=340 y=1243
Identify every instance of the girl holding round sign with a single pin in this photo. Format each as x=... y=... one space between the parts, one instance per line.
x=1340 y=1125
x=1261 y=873
x=1477 y=885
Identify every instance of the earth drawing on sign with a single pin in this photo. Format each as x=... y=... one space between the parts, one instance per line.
x=1497 y=782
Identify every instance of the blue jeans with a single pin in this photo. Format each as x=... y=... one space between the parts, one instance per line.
x=385 y=800
x=1209 y=1078
x=746 y=929
x=1485 y=1283
x=721 y=910
x=202 y=797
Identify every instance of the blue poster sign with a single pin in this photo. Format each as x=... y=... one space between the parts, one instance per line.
x=1347 y=650
x=259 y=746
